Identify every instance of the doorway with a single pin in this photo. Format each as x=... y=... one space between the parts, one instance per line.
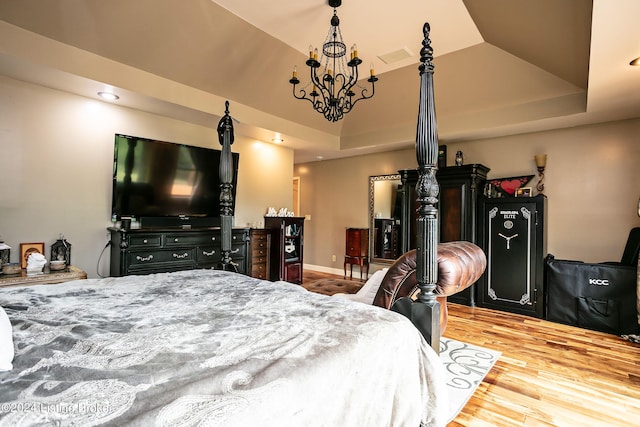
x=296 y=196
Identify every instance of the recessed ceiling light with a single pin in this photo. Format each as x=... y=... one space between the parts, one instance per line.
x=108 y=96
x=277 y=139
x=635 y=62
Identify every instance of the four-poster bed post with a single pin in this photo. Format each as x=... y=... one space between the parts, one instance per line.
x=225 y=137
x=425 y=311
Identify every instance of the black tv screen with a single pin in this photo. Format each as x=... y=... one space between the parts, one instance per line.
x=154 y=178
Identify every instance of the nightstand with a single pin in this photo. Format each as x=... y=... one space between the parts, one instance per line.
x=46 y=278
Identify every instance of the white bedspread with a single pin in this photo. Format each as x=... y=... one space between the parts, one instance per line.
x=212 y=348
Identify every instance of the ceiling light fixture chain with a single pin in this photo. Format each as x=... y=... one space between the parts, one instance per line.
x=333 y=92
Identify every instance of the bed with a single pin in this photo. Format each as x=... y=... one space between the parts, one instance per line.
x=213 y=347
x=210 y=347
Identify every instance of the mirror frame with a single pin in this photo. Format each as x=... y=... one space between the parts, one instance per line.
x=372 y=180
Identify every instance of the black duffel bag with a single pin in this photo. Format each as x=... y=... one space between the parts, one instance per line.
x=600 y=297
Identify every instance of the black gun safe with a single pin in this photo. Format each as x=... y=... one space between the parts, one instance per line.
x=512 y=234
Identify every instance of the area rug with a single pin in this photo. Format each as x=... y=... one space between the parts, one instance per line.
x=466 y=366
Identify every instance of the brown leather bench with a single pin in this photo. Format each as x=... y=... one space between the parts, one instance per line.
x=460 y=264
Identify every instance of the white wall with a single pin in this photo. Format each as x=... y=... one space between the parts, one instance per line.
x=56 y=156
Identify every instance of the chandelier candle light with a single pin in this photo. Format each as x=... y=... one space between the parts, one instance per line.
x=333 y=88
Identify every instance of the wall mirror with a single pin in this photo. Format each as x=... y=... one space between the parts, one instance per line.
x=384 y=218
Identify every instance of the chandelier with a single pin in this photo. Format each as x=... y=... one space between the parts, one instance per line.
x=334 y=79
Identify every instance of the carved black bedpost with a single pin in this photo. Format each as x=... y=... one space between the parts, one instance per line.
x=425 y=311
x=225 y=136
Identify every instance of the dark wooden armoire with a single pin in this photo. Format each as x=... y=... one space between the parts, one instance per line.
x=460 y=189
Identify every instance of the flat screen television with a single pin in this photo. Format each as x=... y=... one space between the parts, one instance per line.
x=165 y=180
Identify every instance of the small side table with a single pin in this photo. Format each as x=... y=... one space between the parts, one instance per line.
x=357 y=251
x=46 y=278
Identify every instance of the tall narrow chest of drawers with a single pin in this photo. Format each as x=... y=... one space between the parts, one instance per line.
x=259 y=253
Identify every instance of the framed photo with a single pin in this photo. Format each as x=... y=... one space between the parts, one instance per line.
x=27 y=249
x=523 y=192
x=507 y=187
x=442 y=156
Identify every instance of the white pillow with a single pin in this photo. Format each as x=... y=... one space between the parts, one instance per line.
x=368 y=291
x=6 y=342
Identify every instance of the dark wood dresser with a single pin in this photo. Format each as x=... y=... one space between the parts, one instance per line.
x=153 y=250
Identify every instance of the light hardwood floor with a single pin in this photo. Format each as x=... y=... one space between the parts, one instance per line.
x=548 y=374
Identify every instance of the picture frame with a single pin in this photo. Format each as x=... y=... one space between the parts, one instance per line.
x=27 y=249
x=507 y=187
x=442 y=156
x=524 y=192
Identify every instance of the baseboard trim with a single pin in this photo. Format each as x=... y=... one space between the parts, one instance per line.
x=323 y=269
x=329 y=270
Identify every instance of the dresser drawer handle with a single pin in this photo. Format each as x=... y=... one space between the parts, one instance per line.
x=175 y=240
x=143 y=259
x=145 y=241
x=235 y=251
x=184 y=255
x=213 y=238
x=213 y=252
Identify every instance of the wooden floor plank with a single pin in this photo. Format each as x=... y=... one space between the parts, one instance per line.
x=548 y=374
